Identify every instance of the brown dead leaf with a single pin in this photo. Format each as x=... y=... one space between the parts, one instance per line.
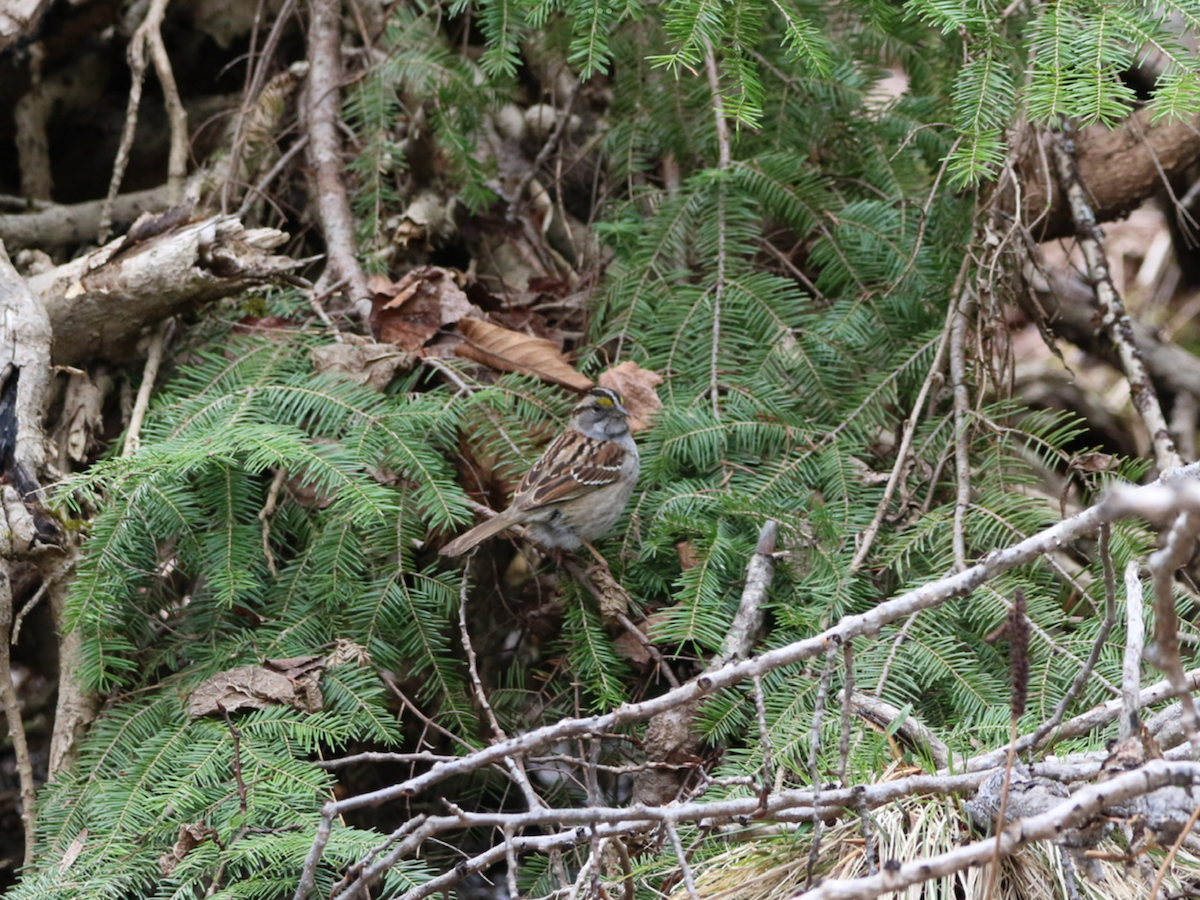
x=511 y=351
x=73 y=851
x=191 y=835
x=370 y=364
x=288 y=682
x=631 y=648
x=637 y=388
x=687 y=555
x=613 y=599
x=410 y=312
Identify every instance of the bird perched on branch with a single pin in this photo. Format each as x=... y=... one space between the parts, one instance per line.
x=579 y=487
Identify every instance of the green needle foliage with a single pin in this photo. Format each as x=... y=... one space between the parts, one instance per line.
x=792 y=286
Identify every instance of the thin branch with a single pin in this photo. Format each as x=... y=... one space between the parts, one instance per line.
x=1071 y=813
x=1177 y=549
x=1150 y=501
x=684 y=867
x=12 y=712
x=1135 y=639
x=814 y=747
x=867 y=537
x=764 y=738
x=724 y=158
x=259 y=188
x=847 y=693
x=1114 y=320
x=154 y=357
x=148 y=36
x=1106 y=627
x=962 y=408
x=515 y=769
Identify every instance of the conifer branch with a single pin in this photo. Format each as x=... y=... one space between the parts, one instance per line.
x=1148 y=501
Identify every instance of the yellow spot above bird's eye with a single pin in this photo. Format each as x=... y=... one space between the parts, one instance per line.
x=604 y=401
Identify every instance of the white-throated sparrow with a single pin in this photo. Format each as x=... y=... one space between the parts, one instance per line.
x=576 y=491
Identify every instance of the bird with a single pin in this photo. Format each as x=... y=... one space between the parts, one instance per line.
x=578 y=488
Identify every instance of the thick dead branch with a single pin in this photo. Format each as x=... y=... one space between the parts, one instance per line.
x=1113 y=318
x=19 y=18
x=76 y=707
x=912 y=731
x=672 y=737
x=100 y=303
x=1122 y=167
x=325 y=152
x=1073 y=812
x=54 y=225
x=747 y=622
x=25 y=334
x=12 y=711
x=1069 y=309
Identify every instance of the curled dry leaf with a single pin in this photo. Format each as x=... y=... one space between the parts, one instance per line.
x=637 y=387
x=410 y=312
x=613 y=599
x=511 y=351
x=366 y=363
x=191 y=835
x=289 y=682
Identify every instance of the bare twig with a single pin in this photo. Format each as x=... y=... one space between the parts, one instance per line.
x=764 y=737
x=27 y=609
x=724 y=158
x=684 y=867
x=1177 y=549
x=259 y=188
x=867 y=537
x=380 y=757
x=642 y=638
x=512 y=763
x=1135 y=639
x=154 y=357
x=961 y=314
x=814 y=747
x=870 y=853
x=148 y=37
x=847 y=706
x=1184 y=833
x=236 y=736
x=560 y=125
x=1110 y=619
x=1114 y=319
x=266 y=513
x=12 y=712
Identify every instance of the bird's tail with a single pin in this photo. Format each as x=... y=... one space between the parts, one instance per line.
x=476 y=535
